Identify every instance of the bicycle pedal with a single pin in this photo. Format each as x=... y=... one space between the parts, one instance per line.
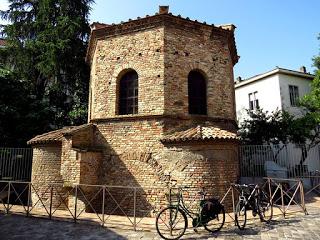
x=195 y=230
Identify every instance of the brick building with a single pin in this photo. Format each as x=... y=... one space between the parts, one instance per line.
x=161 y=102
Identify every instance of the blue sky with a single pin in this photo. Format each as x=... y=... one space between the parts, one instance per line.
x=269 y=33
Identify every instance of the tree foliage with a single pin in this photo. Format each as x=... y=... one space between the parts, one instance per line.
x=279 y=128
x=262 y=127
x=311 y=105
x=20 y=113
x=46 y=43
x=316 y=59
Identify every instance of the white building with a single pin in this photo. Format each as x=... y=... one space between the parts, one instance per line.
x=277 y=89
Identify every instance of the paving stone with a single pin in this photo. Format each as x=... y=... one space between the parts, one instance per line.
x=15 y=227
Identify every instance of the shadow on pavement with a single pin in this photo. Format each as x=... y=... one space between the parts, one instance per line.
x=20 y=227
x=251 y=229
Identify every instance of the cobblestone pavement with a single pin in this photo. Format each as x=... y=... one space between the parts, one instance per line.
x=14 y=227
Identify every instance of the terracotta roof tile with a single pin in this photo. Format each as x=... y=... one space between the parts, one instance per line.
x=2 y=42
x=98 y=25
x=199 y=133
x=57 y=135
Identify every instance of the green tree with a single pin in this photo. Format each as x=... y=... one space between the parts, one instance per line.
x=278 y=128
x=316 y=59
x=46 y=47
x=18 y=118
x=262 y=127
x=310 y=122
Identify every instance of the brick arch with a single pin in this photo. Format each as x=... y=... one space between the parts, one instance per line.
x=121 y=69
x=202 y=68
x=147 y=158
x=124 y=71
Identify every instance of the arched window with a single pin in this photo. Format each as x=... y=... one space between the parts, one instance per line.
x=197 y=92
x=128 y=98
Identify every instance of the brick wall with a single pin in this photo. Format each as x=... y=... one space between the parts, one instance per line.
x=163 y=57
x=46 y=168
x=204 y=50
x=141 y=51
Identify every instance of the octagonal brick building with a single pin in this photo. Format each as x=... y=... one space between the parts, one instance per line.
x=161 y=102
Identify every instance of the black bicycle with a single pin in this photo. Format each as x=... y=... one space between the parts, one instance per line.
x=252 y=197
x=172 y=221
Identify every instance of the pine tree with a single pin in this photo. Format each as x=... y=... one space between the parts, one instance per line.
x=46 y=43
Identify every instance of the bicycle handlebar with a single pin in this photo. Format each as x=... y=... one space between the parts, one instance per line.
x=245 y=185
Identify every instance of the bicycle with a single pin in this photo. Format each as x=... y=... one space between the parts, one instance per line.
x=253 y=196
x=172 y=221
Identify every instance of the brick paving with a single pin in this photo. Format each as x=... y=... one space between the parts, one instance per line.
x=298 y=226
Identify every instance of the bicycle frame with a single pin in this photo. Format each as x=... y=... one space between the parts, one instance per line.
x=246 y=200
x=181 y=205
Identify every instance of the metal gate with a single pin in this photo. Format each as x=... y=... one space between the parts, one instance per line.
x=15 y=164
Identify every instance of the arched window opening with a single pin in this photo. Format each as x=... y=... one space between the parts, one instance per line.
x=128 y=99
x=197 y=92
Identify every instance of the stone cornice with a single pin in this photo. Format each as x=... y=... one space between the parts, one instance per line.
x=163 y=117
x=203 y=142
x=149 y=22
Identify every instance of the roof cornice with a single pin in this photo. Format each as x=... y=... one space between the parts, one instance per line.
x=273 y=72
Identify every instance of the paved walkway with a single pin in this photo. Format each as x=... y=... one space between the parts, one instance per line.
x=299 y=226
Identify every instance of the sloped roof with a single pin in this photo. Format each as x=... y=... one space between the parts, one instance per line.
x=3 y=42
x=200 y=133
x=277 y=70
x=57 y=135
x=97 y=25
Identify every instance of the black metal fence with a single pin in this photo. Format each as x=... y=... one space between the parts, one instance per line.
x=15 y=164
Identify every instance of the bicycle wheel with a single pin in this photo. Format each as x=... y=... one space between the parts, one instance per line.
x=265 y=207
x=171 y=223
x=216 y=224
x=241 y=215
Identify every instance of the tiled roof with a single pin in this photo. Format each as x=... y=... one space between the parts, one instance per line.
x=57 y=135
x=2 y=42
x=200 y=133
x=97 y=25
x=277 y=70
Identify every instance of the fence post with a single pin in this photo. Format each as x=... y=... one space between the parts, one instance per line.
x=233 y=205
x=8 y=197
x=302 y=197
x=75 y=204
x=103 y=199
x=29 y=196
x=50 y=211
x=282 y=201
x=134 y=209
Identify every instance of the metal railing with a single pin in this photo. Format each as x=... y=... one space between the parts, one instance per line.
x=133 y=207
x=15 y=163
x=286 y=192
x=290 y=161
x=315 y=184
x=83 y=202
